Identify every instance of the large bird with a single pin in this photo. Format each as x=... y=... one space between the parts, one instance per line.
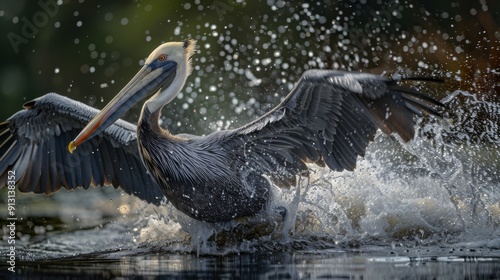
x=328 y=118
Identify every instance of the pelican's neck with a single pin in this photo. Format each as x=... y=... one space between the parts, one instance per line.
x=162 y=98
x=151 y=111
x=149 y=129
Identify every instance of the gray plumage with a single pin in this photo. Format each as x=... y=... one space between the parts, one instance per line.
x=329 y=118
x=33 y=144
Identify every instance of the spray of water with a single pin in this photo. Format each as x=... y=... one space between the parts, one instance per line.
x=441 y=188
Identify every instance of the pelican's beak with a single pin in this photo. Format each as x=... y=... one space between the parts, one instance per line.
x=146 y=82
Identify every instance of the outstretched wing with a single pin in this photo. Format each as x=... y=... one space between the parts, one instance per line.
x=329 y=117
x=33 y=144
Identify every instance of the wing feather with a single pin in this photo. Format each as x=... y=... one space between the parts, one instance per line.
x=33 y=143
x=53 y=185
x=96 y=175
x=329 y=117
x=110 y=178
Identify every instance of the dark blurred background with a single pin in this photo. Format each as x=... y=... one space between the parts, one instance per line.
x=250 y=53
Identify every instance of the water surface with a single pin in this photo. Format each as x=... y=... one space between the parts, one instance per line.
x=426 y=209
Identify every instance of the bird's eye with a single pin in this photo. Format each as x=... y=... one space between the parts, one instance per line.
x=162 y=57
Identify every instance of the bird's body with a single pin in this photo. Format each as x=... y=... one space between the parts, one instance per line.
x=329 y=118
x=202 y=179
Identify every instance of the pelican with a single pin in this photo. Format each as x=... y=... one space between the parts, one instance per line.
x=328 y=118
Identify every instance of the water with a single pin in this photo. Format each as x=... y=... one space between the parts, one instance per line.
x=426 y=209
x=430 y=206
x=328 y=264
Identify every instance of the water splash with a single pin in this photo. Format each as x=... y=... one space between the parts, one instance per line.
x=442 y=188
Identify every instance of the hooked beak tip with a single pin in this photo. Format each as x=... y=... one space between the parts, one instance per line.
x=71 y=147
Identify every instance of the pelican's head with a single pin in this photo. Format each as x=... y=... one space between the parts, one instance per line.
x=163 y=74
